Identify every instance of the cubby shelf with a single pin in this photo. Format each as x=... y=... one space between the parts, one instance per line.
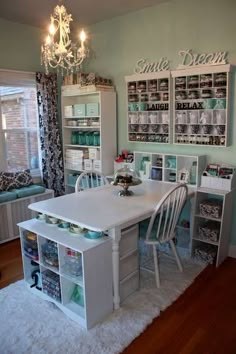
x=79 y=286
x=148 y=101
x=170 y=167
x=211 y=225
x=200 y=105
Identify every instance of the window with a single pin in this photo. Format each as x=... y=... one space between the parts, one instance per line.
x=18 y=123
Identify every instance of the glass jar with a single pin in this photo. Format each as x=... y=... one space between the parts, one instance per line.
x=143 y=163
x=81 y=138
x=73 y=138
x=96 y=138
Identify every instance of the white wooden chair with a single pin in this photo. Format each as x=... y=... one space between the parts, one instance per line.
x=90 y=179
x=163 y=222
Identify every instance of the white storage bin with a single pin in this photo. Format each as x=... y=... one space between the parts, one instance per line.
x=128 y=264
x=88 y=164
x=68 y=111
x=128 y=285
x=94 y=154
x=219 y=183
x=129 y=240
x=97 y=165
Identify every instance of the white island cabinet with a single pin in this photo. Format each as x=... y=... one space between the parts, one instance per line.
x=69 y=270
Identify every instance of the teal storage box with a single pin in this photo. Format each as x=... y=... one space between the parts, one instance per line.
x=92 y=109
x=80 y=110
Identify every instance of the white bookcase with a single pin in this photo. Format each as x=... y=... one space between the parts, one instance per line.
x=201 y=105
x=170 y=167
x=148 y=102
x=93 y=300
x=89 y=132
x=211 y=225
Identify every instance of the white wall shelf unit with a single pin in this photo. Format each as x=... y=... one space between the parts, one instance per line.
x=170 y=167
x=201 y=105
x=75 y=273
x=89 y=132
x=211 y=225
x=148 y=102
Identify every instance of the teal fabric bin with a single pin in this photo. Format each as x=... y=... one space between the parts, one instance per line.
x=7 y=196
x=80 y=110
x=92 y=109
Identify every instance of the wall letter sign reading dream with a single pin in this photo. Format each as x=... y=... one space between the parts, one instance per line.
x=193 y=59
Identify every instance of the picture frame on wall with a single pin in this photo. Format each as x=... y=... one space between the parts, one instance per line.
x=183 y=176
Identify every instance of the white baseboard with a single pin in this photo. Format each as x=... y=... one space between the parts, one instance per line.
x=232 y=251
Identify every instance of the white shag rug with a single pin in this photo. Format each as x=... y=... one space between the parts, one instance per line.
x=29 y=324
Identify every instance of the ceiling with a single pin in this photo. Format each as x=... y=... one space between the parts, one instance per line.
x=86 y=12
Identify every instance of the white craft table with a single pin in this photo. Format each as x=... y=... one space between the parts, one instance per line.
x=101 y=209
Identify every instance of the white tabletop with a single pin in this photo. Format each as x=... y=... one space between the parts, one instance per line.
x=101 y=208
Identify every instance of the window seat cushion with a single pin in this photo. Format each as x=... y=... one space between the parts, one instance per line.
x=7 y=196
x=23 y=192
x=28 y=191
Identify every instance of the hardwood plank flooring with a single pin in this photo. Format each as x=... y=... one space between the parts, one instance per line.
x=201 y=321
x=11 y=268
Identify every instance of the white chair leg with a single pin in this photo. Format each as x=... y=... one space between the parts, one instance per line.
x=156 y=266
x=176 y=255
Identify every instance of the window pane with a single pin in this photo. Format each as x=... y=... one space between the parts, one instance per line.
x=22 y=150
x=18 y=107
x=19 y=121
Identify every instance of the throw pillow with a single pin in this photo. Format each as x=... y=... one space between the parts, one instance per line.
x=2 y=182
x=9 y=180
x=23 y=178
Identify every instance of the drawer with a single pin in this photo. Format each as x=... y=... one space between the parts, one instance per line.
x=129 y=285
x=128 y=264
x=129 y=240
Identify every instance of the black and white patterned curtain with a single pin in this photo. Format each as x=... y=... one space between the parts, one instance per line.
x=50 y=140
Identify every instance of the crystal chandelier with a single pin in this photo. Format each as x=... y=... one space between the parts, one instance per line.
x=59 y=51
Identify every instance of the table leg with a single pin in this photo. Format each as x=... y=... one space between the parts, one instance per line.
x=115 y=234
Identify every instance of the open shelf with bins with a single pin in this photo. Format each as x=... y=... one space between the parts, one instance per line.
x=88 y=123
x=211 y=225
x=201 y=102
x=76 y=273
x=148 y=102
x=168 y=167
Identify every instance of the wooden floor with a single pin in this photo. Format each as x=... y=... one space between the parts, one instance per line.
x=201 y=321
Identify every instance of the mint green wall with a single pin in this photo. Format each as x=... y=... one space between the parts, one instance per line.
x=161 y=31
x=20 y=46
x=155 y=32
